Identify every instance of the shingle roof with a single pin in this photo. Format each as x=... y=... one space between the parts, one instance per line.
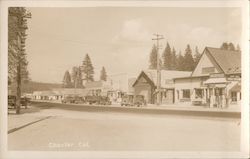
x=94 y=84
x=229 y=61
x=165 y=75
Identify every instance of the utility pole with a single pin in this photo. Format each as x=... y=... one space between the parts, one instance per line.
x=158 y=38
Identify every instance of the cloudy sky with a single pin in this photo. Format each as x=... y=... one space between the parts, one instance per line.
x=119 y=38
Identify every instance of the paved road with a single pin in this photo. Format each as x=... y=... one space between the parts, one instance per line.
x=100 y=129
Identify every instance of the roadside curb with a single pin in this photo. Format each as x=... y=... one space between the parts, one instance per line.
x=25 y=125
x=141 y=110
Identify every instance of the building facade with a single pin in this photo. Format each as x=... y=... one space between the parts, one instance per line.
x=145 y=85
x=215 y=82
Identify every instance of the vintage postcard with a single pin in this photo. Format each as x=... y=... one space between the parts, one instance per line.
x=133 y=79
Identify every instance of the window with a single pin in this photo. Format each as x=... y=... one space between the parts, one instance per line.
x=198 y=93
x=186 y=93
x=234 y=96
x=207 y=70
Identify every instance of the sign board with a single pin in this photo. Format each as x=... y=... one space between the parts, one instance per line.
x=217 y=75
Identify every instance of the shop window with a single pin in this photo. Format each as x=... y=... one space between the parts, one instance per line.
x=234 y=96
x=198 y=93
x=186 y=93
x=164 y=94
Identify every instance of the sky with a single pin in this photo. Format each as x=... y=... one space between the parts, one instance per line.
x=119 y=38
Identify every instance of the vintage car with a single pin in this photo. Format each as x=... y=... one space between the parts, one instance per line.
x=68 y=99
x=25 y=101
x=92 y=99
x=11 y=101
x=103 y=100
x=78 y=99
x=127 y=100
x=139 y=100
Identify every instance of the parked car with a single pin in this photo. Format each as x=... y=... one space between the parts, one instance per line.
x=25 y=101
x=103 y=100
x=11 y=101
x=78 y=99
x=139 y=100
x=92 y=99
x=127 y=100
x=68 y=99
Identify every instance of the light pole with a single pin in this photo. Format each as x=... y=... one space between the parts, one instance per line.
x=158 y=38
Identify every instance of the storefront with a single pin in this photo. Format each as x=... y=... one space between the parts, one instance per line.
x=215 y=82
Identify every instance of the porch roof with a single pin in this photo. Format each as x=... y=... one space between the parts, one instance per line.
x=215 y=81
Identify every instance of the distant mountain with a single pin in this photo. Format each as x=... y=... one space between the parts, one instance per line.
x=32 y=86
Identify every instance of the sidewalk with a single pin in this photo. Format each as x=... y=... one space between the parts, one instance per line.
x=236 y=109
x=18 y=121
x=195 y=108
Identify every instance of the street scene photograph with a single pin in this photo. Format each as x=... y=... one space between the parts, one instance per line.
x=124 y=79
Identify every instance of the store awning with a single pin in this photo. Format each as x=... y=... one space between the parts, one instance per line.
x=234 y=86
x=215 y=81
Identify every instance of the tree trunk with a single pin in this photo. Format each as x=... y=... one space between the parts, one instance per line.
x=18 y=94
x=18 y=78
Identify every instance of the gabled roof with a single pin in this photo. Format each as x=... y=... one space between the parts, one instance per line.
x=146 y=76
x=165 y=75
x=94 y=84
x=228 y=61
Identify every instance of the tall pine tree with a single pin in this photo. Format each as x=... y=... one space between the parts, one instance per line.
x=88 y=69
x=17 y=61
x=76 y=77
x=67 y=80
x=167 y=58
x=197 y=56
x=224 y=46
x=231 y=47
x=103 y=75
x=180 y=62
x=79 y=83
x=174 y=60
x=188 y=59
x=153 y=58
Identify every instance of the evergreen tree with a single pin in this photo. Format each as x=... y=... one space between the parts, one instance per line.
x=17 y=61
x=174 y=59
x=197 y=56
x=79 y=83
x=231 y=47
x=167 y=58
x=153 y=58
x=103 y=75
x=188 y=59
x=76 y=77
x=224 y=46
x=180 y=62
x=67 y=80
x=88 y=69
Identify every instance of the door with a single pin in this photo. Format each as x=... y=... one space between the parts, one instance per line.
x=168 y=98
